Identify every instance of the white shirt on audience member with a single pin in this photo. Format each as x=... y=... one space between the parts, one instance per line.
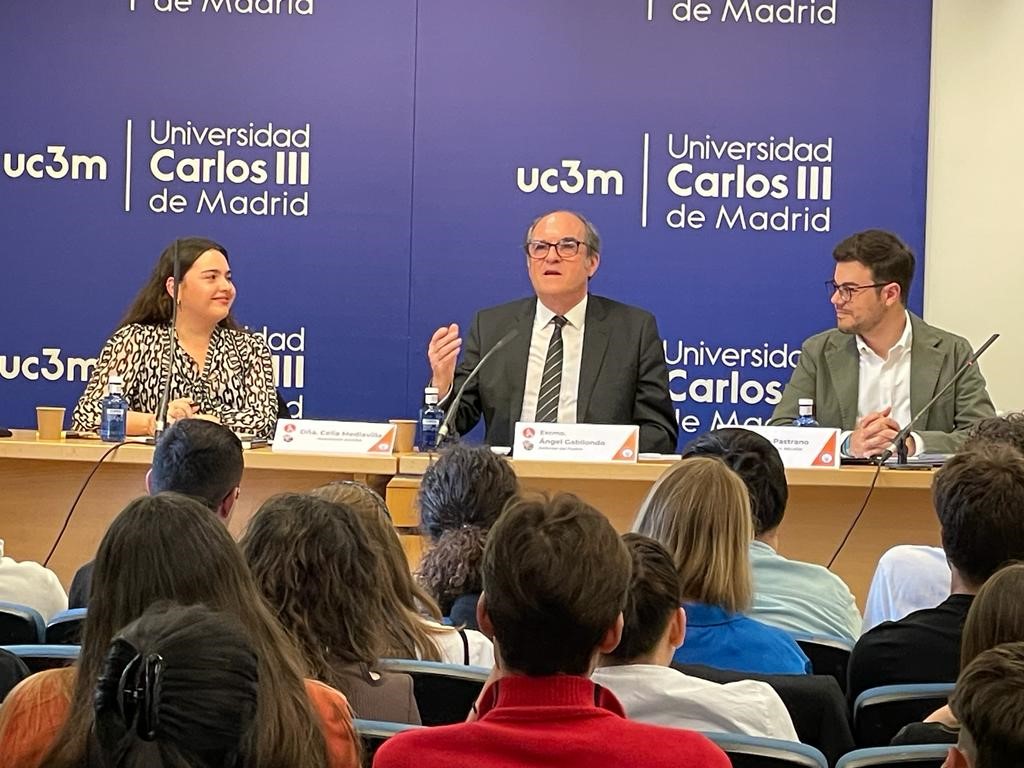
x=33 y=585
x=651 y=693
x=907 y=578
x=572 y=359
x=453 y=651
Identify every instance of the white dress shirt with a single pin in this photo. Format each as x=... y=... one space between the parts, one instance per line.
x=33 y=585
x=908 y=578
x=572 y=358
x=664 y=696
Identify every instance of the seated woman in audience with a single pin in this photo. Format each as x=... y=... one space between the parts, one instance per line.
x=179 y=686
x=314 y=563
x=700 y=511
x=461 y=495
x=169 y=547
x=996 y=616
x=407 y=633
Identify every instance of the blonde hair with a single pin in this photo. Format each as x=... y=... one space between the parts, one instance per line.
x=700 y=511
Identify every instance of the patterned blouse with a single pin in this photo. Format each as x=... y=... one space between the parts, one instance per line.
x=236 y=384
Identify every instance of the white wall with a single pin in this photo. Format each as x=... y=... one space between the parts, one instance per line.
x=974 y=282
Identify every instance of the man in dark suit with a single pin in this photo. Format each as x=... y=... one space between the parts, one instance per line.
x=576 y=358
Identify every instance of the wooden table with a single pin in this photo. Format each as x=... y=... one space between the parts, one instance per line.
x=39 y=480
x=822 y=506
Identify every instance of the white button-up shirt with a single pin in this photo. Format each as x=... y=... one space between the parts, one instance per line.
x=572 y=358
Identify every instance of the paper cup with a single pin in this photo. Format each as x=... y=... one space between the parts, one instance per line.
x=49 y=422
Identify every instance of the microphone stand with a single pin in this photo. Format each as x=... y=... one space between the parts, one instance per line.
x=442 y=433
x=160 y=422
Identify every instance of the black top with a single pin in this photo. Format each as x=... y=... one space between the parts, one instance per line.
x=78 y=595
x=925 y=733
x=923 y=647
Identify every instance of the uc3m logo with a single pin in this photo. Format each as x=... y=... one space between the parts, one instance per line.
x=57 y=166
x=569 y=178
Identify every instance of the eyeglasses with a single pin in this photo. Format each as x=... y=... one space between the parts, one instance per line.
x=846 y=291
x=567 y=248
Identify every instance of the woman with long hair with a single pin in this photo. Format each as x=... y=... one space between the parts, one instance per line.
x=170 y=547
x=700 y=511
x=407 y=633
x=179 y=686
x=218 y=370
x=318 y=571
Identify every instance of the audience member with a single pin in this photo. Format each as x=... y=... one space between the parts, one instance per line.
x=989 y=702
x=638 y=671
x=407 y=633
x=555 y=577
x=31 y=584
x=195 y=457
x=168 y=547
x=979 y=498
x=796 y=596
x=318 y=571
x=461 y=495
x=700 y=511
x=910 y=577
x=12 y=672
x=179 y=687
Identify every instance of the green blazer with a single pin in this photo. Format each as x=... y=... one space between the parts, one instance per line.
x=829 y=370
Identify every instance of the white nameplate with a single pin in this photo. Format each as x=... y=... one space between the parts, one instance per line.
x=803 y=447
x=576 y=442
x=314 y=436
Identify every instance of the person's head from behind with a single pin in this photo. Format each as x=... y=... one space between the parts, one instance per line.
x=996 y=615
x=315 y=565
x=461 y=495
x=759 y=466
x=178 y=687
x=988 y=702
x=168 y=547
x=198 y=458
x=871 y=280
x=700 y=512
x=1007 y=429
x=653 y=622
x=979 y=499
x=555 y=576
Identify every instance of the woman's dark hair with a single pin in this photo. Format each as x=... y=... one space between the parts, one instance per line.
x=153 y=305
x=168 y=547
x=319 y=572
x=179 y=686
x=996 y=615
x=461 y=495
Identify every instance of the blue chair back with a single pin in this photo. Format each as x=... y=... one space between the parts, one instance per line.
x=879 y=713
x=917 y=756
x=20 y=624
x=39 y=656
x=754 y=752
x=66 y=627
x=444 y=692
x=828 y=655
x=373 y=733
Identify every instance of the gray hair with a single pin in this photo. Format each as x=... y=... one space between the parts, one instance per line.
x=591 y=236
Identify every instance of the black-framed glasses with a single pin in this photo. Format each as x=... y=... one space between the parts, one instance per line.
x=847 y=291
x=566 y=248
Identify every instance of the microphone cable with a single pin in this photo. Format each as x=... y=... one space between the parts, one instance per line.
x=85 y=484
x=860 y=512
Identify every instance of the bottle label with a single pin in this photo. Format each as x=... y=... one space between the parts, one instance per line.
x=431 y=423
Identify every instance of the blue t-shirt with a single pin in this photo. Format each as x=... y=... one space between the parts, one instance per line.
x=718 y=638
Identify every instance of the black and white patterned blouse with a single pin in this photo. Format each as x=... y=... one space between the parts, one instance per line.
x=236 y=384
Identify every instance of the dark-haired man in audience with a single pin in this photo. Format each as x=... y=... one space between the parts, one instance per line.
x=979 y=498
x=195 y=457
x=789 y=594
x=555 y=579
x=989 y=704
x=638 y=670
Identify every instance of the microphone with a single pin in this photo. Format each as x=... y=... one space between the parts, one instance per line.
x=160 y=423
x=442 y=433
x=899 y=443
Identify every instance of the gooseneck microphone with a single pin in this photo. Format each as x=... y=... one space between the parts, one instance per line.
x=899 y=443
x=160 y=423
x=442 y=433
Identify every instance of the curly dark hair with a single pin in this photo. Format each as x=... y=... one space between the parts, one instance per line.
x=1007 y=429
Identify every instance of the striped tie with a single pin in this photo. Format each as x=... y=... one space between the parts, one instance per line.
x=551 y=381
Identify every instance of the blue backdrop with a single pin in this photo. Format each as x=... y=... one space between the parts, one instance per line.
x=371 y=167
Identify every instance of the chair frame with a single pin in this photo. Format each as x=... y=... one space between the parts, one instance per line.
x=32 y=613
x=777 y=749
x=884 y=756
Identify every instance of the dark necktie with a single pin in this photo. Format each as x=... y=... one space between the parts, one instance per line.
x=551 y=381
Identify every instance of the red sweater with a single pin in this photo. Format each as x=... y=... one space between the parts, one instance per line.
x=550 y=721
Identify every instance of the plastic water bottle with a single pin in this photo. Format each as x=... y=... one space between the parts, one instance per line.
x=431 y=418
x=806 y=417
x=114 y=410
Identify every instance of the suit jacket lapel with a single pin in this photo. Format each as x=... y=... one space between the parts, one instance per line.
x=517 y=356
x=843 y=361
x=595 y=343
x=926 y=358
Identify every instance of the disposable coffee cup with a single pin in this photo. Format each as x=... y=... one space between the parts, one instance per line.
x=49 y=422
x=405 y=434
